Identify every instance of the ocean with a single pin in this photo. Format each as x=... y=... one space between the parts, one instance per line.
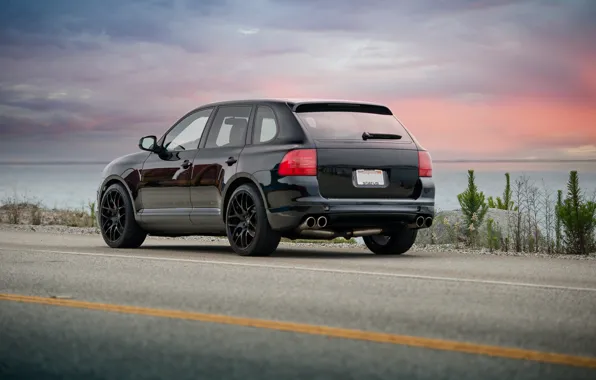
x=74 y=185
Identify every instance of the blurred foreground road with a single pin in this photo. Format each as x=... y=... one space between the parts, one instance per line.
x=72 y=308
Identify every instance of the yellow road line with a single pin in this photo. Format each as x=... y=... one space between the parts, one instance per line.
x=435 y=344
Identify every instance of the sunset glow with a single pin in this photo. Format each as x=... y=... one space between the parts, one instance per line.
x=471 y=79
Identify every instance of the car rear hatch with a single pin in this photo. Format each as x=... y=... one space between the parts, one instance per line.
x=363 y=151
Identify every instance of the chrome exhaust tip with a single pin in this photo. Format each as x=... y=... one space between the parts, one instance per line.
x=428 y=222
x=310 y=222
x=419 y=221
x=322 y=221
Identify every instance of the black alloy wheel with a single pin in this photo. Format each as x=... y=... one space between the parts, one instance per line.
x=242 y=220
x=117 y=222
x=113 y=215
x=247 y=227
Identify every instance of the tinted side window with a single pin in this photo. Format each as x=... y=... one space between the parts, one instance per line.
x=187 y=133
x=229 y=127
x=265 y=126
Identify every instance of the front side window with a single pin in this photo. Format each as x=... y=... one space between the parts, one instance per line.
x=229 y=127
x=186 y=135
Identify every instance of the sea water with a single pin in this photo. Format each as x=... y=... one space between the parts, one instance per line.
x=75 y=185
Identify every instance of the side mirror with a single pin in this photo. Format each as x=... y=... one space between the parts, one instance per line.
x=148 y=143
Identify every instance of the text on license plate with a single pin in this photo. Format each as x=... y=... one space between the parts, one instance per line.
x=370 y=177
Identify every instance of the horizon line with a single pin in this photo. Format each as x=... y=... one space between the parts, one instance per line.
x=503 y=160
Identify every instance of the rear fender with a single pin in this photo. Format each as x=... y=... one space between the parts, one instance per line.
x=233 y=183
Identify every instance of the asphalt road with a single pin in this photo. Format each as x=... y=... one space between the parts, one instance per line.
x=72 y=308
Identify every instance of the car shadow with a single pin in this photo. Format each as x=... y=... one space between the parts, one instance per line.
x=282 y=252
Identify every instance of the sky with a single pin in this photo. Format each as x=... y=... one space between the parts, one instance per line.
x=484 y=79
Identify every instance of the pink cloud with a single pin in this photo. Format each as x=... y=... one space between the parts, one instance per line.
x=510 y=127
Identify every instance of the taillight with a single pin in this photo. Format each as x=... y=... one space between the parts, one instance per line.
x=425 y=164
x=299 y=162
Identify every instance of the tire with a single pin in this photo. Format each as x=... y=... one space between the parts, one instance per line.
x=395 y=244
x=118 y=226
x=245 y=213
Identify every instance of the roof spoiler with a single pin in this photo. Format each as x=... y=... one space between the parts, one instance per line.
x=340 y=107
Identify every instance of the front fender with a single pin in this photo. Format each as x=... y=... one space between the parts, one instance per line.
x=127 y=180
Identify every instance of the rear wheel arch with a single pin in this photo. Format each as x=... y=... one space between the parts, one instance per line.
x=237 y=181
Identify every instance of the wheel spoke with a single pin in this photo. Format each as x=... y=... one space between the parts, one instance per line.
x=237 y=234
x=243 y=239
x=246 y=203
x=110 y=232
x=252 y=218
x=235 y=215
x=238 y=206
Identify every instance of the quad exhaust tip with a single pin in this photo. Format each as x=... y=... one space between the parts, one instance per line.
x=322 y=222
x=428 y=221
x=420 y=221
x=311 y=222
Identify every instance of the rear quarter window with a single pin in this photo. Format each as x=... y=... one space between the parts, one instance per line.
x=265 y=126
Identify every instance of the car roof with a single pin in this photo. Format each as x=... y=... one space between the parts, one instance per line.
x=292 y=102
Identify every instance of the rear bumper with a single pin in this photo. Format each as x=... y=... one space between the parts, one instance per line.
x=288 y=208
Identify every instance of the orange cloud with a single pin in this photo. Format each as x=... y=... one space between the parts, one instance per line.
x=499 y=128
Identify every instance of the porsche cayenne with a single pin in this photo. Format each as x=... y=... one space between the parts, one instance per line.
x=262 y=169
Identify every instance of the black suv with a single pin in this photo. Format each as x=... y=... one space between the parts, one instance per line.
x=259 y=170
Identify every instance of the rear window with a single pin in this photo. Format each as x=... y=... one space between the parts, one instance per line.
x=346 y=125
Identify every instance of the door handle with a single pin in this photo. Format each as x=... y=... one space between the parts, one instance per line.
x=231 y=161
x=186 y=164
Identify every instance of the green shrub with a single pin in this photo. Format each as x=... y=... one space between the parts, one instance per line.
x=577 y=218
x=492 y=235
x=506 y=203
x=473 y=206
x=558 y=232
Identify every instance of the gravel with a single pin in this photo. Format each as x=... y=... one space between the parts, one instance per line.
x=426 y=248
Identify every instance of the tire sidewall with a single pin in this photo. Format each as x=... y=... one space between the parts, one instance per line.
x=395 y=245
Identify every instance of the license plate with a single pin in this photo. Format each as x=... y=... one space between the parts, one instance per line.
x=370 y=178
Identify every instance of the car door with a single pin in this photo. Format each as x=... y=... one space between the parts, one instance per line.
x=164 y=188
x=216 y=163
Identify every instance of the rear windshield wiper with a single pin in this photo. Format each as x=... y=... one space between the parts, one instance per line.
x=380 y=136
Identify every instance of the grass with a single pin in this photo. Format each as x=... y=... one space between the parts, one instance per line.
x=24 y=210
